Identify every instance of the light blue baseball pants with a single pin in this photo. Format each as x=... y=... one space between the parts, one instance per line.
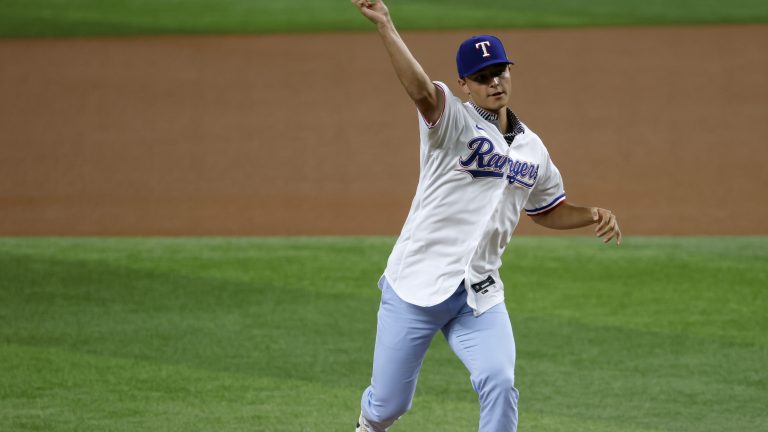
x=484 y=344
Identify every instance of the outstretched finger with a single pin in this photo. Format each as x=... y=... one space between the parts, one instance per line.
x=605 y=219
x=609 y=227
x=613 y=233
x=606 y=240
x=600 y=224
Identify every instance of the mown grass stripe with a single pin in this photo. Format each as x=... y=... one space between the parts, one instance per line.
x=36 y=18
x=276 y=334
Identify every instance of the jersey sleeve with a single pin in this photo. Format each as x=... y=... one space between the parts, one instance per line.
x=548 y=192
x=449 y=124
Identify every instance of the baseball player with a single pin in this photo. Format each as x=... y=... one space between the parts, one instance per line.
x=480 y=166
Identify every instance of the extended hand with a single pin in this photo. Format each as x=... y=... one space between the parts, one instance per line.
x=607 y=225
x=374 y=10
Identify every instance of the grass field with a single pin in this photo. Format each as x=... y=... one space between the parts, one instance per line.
x=129 y=17
x=275 y=334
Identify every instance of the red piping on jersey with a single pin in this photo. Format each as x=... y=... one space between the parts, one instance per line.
x=442 y=110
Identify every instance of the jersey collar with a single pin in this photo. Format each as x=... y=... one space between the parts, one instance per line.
x=516 y=127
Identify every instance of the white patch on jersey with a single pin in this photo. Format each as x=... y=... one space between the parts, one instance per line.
x=459 y=225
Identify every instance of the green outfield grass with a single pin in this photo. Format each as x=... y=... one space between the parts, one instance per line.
x=130 y=17
x=275 y=334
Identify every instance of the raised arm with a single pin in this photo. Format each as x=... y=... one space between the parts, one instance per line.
x=417 y=84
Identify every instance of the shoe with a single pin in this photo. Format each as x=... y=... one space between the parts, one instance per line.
x=362 y=425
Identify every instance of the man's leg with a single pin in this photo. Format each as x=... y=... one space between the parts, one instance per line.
x=487 y=348
x=403 y=335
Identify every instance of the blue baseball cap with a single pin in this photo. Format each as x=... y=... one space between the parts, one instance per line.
x=479 y=52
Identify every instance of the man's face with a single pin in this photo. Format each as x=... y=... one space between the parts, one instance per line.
x=489 y=87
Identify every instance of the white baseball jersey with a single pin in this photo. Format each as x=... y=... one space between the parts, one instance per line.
x=472 y=188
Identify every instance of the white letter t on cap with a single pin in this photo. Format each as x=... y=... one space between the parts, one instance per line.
x=484 y=45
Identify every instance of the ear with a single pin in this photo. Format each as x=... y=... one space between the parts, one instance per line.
x=463 y=85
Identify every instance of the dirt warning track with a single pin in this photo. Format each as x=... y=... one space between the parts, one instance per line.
x=312 y=134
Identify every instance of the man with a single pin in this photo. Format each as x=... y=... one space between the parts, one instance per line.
x=480 y=167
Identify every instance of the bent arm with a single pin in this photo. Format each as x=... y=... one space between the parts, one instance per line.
x=415 y=81
x=567 y=216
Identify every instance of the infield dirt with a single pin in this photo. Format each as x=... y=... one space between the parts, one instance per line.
x=312 y=134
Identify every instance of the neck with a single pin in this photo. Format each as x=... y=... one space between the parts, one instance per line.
x=501 y=117
x=503 y=123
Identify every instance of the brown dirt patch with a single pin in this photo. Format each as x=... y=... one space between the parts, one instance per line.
x=311 y=134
